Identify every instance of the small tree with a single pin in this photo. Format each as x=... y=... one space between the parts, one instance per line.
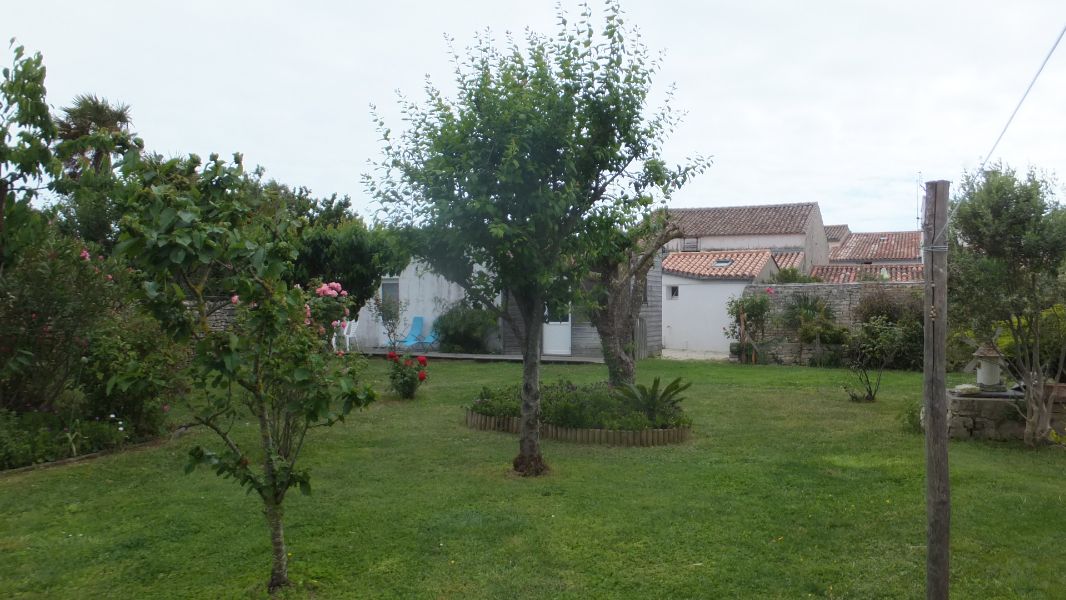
x=749 y=316
x=191 y=228
x=509 y=181
x=871 y=348
x=1010 y=244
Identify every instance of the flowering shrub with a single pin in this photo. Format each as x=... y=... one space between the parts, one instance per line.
x=406 y=373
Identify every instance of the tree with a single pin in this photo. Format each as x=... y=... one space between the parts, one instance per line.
x=191 y=228
x=1010 y=244
x=509 y=180
x=92 y=133
x=617 y=288
x=26 y=134
x=870 y=349
x=337 y=245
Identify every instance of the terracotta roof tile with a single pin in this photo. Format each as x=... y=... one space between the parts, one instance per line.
x=743 y=264
x=744 y=220
x=878 y=246
x=788 y=260
x=856 y=273
x=835 y=233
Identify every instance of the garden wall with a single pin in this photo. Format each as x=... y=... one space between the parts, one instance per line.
x=842 y=298
x=980 y=418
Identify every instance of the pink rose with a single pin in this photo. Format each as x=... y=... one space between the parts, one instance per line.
x=235 y=299
x=335 y=324
x=333 y=285
x=344 y=294
x=85 y=254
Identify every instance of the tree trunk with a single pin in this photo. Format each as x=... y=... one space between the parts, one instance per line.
x=529 y=462
x=621 y=366
x=279 y=571
x=1038 y=411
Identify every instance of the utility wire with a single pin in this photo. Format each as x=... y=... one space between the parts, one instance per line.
x=1007 y=125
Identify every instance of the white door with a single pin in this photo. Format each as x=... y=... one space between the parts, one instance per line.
x=557 y=334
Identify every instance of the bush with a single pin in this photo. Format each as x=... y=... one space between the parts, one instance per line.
x=406 y=373
x=871 y=348
x=464 y=328
x=793 y=275
x=591 y=406
x=906 y=312
x=36 y=437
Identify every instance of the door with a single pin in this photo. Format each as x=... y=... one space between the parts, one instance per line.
x=557 y=333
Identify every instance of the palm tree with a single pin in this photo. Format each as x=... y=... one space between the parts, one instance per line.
x=90 y=115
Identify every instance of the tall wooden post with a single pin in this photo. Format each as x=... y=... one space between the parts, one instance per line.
x=937 y=485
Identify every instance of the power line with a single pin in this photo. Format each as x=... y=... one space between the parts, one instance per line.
x=1024 y=96
x=951 y=209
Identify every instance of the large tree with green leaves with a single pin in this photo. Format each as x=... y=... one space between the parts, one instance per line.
x=509 y=180
x=1008 y=255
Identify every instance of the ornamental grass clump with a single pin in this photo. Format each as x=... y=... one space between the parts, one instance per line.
x=406 y=373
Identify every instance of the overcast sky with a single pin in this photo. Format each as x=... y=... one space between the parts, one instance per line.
x=838 y=102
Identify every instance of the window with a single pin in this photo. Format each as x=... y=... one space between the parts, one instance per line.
x=390 y=291
x=674 y=292
x=721 y=263
x=690 y=245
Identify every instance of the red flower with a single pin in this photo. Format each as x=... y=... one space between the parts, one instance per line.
x=407 y=362
x=391 y=356
x=422 y=360
x=421 y=375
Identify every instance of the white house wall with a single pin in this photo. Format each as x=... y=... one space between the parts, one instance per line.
x=427 y=295
x=695 y=320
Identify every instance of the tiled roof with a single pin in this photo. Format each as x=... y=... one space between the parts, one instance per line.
x=835 y=233
x=788 y=260
x=743 y=265
x=885 y=245
x=854 y=273
x=767 y=219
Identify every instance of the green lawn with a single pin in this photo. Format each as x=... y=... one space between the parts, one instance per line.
x=787 y=490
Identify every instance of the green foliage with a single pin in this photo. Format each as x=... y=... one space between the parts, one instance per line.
x=52 y=297
x=512 y=180
x=660 y=407
x=910 y=416
x=26 y=134
x=465 y=328
x=338 y=246
x=193 y=229
x=1008 y=250
x=591 y=406
x=406 y=373
x=906 y=312
x=793 y=275
x=756 y=311
x=871 y=348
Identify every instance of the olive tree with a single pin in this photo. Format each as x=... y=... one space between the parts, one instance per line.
x=544 y=142
x=1010 y=245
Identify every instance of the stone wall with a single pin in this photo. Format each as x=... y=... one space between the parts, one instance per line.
x=843 y=299
x=978 y=418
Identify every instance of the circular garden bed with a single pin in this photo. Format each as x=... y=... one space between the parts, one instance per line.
x=590 y=414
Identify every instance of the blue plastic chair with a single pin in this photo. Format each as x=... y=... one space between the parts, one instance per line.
x=428 y=341
x=414 y=336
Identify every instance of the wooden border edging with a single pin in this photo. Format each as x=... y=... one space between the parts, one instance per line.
x=613 y=437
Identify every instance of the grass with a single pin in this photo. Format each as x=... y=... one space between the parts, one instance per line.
x=786 y=491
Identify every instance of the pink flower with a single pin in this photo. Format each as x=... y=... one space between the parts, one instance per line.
x=307 y=321
x=346 y=313
x=235 y=299
x=100 y=257
x=85 y=254
x=770 y=291
x=344 y=323
x=344 y=294
x=340 y=352
x=333 y=285
x=110 y=278
x=335 y=324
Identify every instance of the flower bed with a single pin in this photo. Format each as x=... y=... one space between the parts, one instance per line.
x=589 y=414
x=613 y=437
